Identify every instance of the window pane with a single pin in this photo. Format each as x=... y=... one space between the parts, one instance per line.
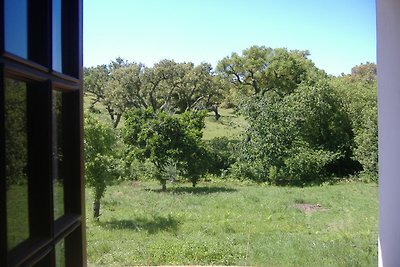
x=16 y=162
x=58 y=181
x=57 y=52
x=16 y=27
x=60 y=254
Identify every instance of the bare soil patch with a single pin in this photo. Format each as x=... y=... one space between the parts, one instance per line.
x=309 y=208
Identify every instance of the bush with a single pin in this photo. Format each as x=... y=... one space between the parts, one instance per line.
x=167 y=140
x=295 y=138
x=307 y=165
x=221 y=154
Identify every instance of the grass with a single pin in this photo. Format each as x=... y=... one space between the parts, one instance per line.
x=232 y=223
x=17 y=215
x=229 y=125
x=99 y=111
x=224 y=223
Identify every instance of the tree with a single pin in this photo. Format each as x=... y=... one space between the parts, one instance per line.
x=95 y=82
x=358 y=92
x=261 y=69
x=178 y=87
x=198 y=89
x=161 y=81
x=167 y=140
x=116 y=86
x=123 y=91
x=168 y=86
x=100 y=162
x=194 y=153
x=364 y=73
x=246 y=72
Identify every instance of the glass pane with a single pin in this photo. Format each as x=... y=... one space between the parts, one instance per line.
x=57 y=52
x=16 y=27
x=58 y=181
x=16 y=162
x=60 y=254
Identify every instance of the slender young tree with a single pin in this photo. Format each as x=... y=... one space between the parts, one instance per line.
x=100 y=163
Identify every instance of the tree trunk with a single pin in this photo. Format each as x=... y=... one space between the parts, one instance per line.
x=96 y=209
x=117 y=120
x=194 y=183
x=164 y=185
x=215 y=109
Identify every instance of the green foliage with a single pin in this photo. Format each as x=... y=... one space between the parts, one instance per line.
x=116 y=86
x=222 y=154
x=296 y=137
x=307 y=164
x=16 y=141
x=235 y=224
x=168 y=86
x=298 y=124
x=364 y=73
x=101 y=166
x=262 y=69
x=358 y=91
x=138 y=169
x=320 y=117
x=167 y=140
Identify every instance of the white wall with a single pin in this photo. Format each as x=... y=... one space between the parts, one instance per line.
x=388 y=59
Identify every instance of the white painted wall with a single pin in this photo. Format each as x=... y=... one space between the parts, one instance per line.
x=388 y=59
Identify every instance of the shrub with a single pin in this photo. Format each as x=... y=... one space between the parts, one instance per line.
x=221 y=154
x=167 y=140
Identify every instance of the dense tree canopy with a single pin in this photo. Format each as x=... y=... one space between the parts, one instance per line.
x=296 y=137
x=304 y=126
x=260 y=69
x=359 y=93
x=167 y=86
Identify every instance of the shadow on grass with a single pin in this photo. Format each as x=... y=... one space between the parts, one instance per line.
x=195 y=190
x=151 y=225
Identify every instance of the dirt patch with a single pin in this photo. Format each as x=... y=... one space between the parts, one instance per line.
x=309 y=208
x=117 y=194
x=136 y=184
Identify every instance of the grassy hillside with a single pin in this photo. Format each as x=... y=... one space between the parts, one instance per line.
x=99 y=111
x=229 y=125
x=235 y=224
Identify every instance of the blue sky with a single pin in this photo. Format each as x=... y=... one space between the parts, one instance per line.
x=338 y=33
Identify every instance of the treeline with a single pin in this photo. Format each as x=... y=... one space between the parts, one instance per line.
x=167 y=87
x=304 y=126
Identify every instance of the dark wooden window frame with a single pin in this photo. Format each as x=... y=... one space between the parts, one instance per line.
x=42 y=81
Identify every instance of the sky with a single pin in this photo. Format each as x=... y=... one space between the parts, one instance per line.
x=338 y=33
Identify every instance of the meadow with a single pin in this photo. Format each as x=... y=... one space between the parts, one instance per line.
x=234 y=223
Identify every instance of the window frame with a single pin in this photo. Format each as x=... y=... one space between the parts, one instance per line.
x=43 y=81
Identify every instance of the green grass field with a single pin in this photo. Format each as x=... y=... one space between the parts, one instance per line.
x=233 y=223
x=223 y=223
